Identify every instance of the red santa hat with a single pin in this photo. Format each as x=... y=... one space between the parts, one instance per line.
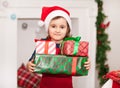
x=48 y=13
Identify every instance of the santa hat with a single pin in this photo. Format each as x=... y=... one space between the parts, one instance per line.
x=48 y=13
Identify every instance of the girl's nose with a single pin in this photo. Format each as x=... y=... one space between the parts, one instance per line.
x=57 y=29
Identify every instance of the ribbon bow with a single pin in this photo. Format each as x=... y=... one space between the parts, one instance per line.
x=73 y=38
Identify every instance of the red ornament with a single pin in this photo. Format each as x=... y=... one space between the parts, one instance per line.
x=99 y=42
x=104 y=26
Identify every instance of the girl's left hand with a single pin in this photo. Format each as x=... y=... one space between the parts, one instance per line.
x=87 y=64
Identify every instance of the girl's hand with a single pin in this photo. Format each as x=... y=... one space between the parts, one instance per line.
x=30 y=66
x=87 y=64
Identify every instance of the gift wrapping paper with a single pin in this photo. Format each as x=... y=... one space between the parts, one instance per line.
x=114 y=75
x=75 y=47
x=60 y=64
x=45 y=47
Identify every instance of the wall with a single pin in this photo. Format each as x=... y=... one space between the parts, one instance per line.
x=112 y=10
x=8 y=52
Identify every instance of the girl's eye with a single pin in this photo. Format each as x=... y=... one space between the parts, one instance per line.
x=62 y=27
x=53 y=26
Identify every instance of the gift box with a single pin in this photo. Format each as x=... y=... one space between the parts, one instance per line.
x=60 y=64
x=115 y=76
x=73 y=46
x=45 y=47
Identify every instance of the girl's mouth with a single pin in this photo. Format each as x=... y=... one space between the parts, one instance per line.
x=57 y=34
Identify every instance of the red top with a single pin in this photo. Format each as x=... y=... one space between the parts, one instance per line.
x=56 y=81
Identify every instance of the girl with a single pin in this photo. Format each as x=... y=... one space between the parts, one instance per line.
x=56 y=21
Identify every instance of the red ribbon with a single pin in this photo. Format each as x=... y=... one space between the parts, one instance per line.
x=46 y=47
x=74 y=63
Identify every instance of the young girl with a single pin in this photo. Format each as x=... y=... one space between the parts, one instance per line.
x=56 y=21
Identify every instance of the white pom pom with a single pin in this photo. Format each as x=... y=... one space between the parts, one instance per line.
x=41 y=23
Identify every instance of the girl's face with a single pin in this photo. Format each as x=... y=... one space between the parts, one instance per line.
x=57 y=29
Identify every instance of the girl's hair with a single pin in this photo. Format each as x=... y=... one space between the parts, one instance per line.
x=68 y=27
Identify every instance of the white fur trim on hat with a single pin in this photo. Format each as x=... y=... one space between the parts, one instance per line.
x=54 y=14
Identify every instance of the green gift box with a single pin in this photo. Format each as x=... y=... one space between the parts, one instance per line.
x=60 y=64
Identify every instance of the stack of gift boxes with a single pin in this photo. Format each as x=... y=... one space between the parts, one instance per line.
x=74 y=53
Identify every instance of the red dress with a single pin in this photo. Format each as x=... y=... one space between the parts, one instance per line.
x=56 y=81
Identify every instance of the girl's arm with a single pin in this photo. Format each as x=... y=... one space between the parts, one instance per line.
x=30 y=65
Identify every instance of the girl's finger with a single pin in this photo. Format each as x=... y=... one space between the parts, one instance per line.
x=31 y=70
x=32 y=64
x=87 y=66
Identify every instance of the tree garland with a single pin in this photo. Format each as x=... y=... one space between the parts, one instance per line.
x=102 y=43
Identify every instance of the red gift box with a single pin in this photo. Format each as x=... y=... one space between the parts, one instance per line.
x=76 y=48
x=115 y=76
x=45 y=47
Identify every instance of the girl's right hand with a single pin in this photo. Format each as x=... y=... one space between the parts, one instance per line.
x=31 y=66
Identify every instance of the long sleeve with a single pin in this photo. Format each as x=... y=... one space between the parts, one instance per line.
x=33 y=56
